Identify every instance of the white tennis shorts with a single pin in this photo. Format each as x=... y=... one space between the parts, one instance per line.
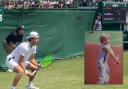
x=11 y=63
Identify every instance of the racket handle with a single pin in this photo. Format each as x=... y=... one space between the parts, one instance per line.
x=33 y=73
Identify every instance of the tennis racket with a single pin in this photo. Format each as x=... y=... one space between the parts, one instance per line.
x=45 y=62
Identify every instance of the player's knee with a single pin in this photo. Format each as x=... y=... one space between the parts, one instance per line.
x=21 y=71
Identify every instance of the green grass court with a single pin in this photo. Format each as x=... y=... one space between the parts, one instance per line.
x=63 y=74
x=67 y=73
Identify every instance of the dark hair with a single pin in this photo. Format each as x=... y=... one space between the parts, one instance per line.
x=21 y=27
x=98 y=14
x=29 y=39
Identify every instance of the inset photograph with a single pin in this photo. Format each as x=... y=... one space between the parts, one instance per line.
x=103 y=58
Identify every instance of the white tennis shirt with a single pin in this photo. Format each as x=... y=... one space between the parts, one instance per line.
x=23 y=49
x=102 y=53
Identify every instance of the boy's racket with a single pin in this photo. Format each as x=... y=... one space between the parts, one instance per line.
x=117 y=55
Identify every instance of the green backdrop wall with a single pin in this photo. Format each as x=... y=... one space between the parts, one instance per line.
x=61 y=31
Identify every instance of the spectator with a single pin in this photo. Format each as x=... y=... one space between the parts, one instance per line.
x=97 y=24
x=61 y=4
x=126 y=27
x=14 y=37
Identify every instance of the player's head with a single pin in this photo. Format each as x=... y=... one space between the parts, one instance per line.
x=104 y=39
x=98 y=16
x=20 y=29
x=33 y=38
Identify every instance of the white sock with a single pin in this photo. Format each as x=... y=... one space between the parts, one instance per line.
x=13 y=87
x=29 y=83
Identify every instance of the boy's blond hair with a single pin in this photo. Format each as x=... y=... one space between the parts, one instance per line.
x=104 y=37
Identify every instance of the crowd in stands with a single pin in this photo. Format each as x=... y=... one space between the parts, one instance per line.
x=94 y=2
x=10 y=4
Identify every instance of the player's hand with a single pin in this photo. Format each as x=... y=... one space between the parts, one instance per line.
x=39 y=66
x=117 y=62
x=30 y=74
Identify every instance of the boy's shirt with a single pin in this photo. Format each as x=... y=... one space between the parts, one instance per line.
x=103 y=56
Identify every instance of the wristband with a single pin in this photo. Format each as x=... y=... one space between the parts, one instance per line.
x=26 y=72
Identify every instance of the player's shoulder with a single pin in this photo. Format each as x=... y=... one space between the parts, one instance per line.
x=13 y=33
x=34 y=47
x=24 y=45
x=96 y=21
x=105 y=46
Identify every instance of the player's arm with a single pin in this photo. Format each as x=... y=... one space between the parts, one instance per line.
x=13 y=46
x=21 y=63
x=94 y=26
x=33 y=61
x=12 y=38
x=111 y=53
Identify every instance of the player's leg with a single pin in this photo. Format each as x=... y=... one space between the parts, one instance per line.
x=31 y=67
x=19 y=72
x=101 y=69
x=107 y=74
x=16 y=68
